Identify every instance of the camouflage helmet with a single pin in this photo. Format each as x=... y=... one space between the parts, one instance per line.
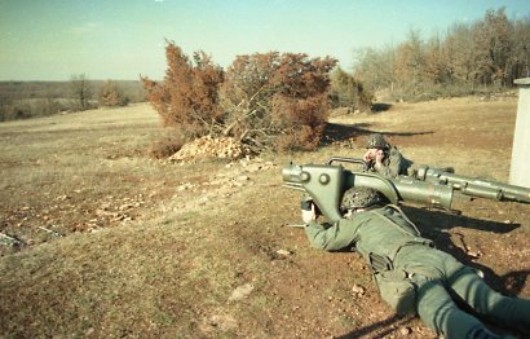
x=361 y=197
x=376 y=140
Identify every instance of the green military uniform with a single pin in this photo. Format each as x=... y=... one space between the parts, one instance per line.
x=414 y=277
x=394 y=164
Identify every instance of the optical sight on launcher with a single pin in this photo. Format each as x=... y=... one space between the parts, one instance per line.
x=326 y=184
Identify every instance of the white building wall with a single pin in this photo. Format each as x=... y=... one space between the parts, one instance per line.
x=520 y=166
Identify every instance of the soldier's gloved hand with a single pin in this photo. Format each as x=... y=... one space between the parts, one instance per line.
x=309 y=215
x=370 y=154
x=379 y=156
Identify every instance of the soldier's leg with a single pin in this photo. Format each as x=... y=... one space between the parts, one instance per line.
x=437 y=309
x=491 y=305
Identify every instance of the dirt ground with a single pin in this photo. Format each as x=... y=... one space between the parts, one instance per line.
x=132 y=247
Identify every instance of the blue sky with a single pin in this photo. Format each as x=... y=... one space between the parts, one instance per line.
x=120 y=39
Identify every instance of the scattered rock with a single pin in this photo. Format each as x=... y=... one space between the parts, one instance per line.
x=221 y=322
x=184 y=187
x=243 y=178
x=241 y=292
x=358 y=290
x=284 y=253
x=224 y=322
x=208 y=147
x=405 y=330
x=203 y=200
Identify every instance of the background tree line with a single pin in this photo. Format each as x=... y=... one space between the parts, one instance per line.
x=28 y=99
x=282 y=101
x=482 y=56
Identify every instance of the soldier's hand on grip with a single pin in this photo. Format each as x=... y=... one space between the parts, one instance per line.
x=309 y=214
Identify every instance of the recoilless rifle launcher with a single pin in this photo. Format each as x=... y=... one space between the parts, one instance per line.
x=326 y=184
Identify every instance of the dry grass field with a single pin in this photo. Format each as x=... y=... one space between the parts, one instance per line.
x=113 y=243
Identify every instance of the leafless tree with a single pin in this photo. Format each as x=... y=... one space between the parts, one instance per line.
x=81 y=91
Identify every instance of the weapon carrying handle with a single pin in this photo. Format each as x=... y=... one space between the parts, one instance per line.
x=348 y=160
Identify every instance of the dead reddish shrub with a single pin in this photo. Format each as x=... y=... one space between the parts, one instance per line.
x=188 y=95
x=263 y=97
x=268 y=97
